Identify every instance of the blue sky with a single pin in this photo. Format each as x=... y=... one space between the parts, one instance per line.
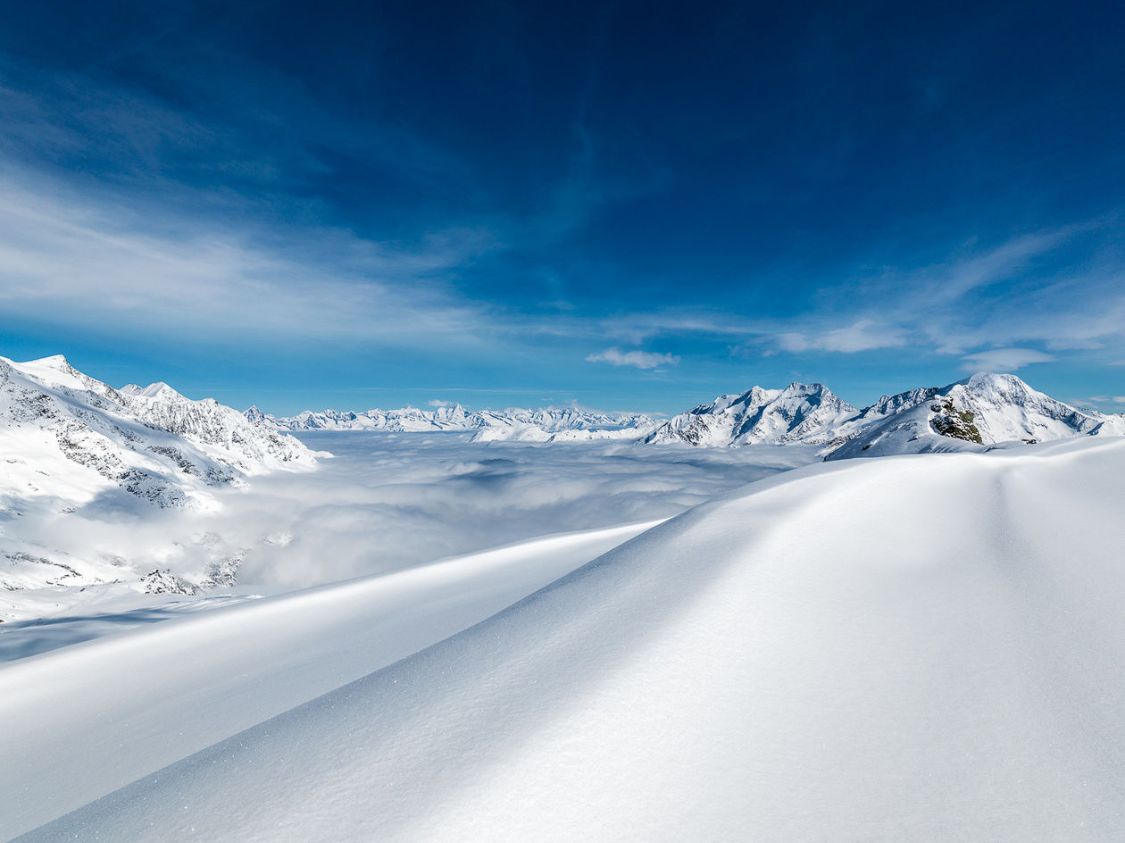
x=628 y=206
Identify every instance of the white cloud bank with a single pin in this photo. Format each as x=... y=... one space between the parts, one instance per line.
x=387 y=502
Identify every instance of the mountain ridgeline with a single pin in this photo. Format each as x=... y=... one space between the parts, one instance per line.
x=548 y=424
x=76 y=451
x=67 y=436
x=974 y=414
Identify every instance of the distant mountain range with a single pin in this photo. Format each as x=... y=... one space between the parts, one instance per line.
x=516 y=424
x=72 y=446
x=976 y=413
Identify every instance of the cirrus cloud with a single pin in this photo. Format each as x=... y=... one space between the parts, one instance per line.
x=1006 y=359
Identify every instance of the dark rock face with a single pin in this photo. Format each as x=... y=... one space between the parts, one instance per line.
x=954 y=423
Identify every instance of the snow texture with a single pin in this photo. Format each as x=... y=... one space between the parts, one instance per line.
x=918 y=647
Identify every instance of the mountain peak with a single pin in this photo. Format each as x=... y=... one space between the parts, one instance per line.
x=994 y=378
x=53 y=361
x=801 y=412
x=158 y=389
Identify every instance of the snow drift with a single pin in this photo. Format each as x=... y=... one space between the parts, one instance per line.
x=905 y=648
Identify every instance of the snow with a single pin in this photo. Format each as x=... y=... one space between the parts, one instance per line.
x=915 y=647
x=547 y=424
x=809 y=414
x=104 y=613
x=1003 y=409
x=75 y=451
x=207 y=639
x=161 y=694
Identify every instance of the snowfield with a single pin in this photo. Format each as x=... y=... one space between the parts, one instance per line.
x=913 y=647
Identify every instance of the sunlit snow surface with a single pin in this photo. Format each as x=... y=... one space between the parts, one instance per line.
x=910 y=648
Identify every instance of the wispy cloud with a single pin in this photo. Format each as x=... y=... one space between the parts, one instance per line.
x=73 y=258
x=1004 y=359
x=637 y=359
x=861 y=335
x=195 y=231
x=1060 y=291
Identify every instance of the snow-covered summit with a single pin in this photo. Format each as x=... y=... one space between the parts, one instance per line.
x=67 y=435
x=800 y=413
x=153 y=390
x=971 y=414
x=252 y=446
x=979 y=411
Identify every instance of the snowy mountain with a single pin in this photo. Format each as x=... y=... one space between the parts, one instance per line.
x=567 y=424
x=405 y=420
x=73 y=447
x=514 y=424
x=980 y=411
x=801 y=413
x=232 y=437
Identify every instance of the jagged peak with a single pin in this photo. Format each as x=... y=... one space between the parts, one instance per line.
x=53 y=361
x=157 y=389
x=799 y=387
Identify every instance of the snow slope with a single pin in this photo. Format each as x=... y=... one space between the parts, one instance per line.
x=897 y=649
x=73 y=448
x=96 y=716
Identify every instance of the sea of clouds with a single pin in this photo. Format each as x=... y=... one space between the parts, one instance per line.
x=384 y=502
